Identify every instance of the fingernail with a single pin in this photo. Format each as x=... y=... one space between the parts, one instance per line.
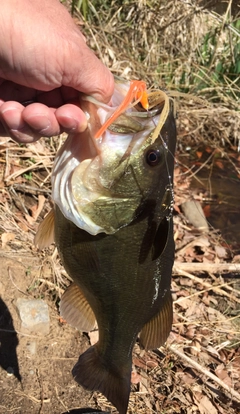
x=71 y=124
x=39 y=122
x=24 y=135
x=13 y=119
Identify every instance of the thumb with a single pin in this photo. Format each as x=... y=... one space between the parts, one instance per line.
x=89 y=75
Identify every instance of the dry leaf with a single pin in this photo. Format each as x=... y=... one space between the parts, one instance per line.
x=140 y=363
x=135 y=378
x=23 y=226
x=36 y=209
x=93 y=336
x=207 y=210
x=219 y=164
x=37 y=147
x=206 y=407
x=29 y=219
x=222 y=373
x=221 y=252
x=6 y=238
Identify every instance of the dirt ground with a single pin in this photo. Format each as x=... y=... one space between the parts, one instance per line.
x=41 y=382
x=35 y=371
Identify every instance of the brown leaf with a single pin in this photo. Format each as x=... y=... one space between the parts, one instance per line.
x=29 y=219
x=219 y=164
x=6 y=238
x=140 y=363
x=222 y=373
x=93 y=336
x=199 y=154
x=207 y=210
x=221 y=252
x=135 y=378
x=190 y=333
x=23 y=226
x=186 y=378
x=206 y=407
x=38 y=146
x=36 y=209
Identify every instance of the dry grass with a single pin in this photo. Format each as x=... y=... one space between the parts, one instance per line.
x=175 y=45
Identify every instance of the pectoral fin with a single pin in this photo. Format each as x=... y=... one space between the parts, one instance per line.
x=45 y=234
x=156 y=331
x=161 y=239
x=75 y=309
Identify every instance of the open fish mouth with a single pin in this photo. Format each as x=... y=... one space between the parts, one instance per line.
x=83 y=173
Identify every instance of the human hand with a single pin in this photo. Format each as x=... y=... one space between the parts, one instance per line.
x=44 y=59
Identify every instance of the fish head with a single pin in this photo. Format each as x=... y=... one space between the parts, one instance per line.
x=113 y=178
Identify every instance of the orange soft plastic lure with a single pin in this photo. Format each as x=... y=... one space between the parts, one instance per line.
x=138 y=91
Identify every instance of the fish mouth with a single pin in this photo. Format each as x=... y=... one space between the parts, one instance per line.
x=76 y=174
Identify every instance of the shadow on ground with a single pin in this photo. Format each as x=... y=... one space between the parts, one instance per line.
x=8 y=342
x=85 y=411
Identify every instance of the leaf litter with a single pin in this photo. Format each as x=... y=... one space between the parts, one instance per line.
x=198 y=370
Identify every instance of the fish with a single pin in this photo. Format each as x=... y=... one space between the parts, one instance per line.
x=112 y=223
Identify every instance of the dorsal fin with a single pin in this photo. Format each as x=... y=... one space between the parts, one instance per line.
x=156 y=331
x=45 y=234
x=75 y=309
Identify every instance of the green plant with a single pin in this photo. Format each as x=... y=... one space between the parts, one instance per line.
x=28 y=176
x=82 y=6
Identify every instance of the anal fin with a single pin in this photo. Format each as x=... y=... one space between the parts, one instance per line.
x=45 y=234
x=156 y=331
x=75 y=309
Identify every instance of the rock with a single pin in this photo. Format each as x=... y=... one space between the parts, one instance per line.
x=10 y=371
x=193 y=212
x=34 y=315
x=32 y=347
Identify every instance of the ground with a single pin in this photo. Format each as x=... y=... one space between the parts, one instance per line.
x=35 y=371
x=175 y=45
x=42 y=380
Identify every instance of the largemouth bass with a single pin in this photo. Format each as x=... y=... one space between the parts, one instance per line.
x=112 y=188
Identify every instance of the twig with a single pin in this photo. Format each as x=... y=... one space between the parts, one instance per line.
x=228 y=285
x=14 y=284
x=14 y=175
x=30 y=397
x=51 y=285
x=200 y=292
x=207 y=267
x=207 y=284
x=41 y=391
x=204 y=371
x=18 y=332
x=59 y=399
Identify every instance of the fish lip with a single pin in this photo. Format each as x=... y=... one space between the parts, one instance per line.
x=146 y=114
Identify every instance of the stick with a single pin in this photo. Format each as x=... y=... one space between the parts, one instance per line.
x=207 y=267
x=204 y=371
x=207 y=284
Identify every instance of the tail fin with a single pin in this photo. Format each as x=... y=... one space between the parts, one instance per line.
x=93 y=374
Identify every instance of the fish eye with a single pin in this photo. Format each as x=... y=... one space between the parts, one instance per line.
x=153 y=157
